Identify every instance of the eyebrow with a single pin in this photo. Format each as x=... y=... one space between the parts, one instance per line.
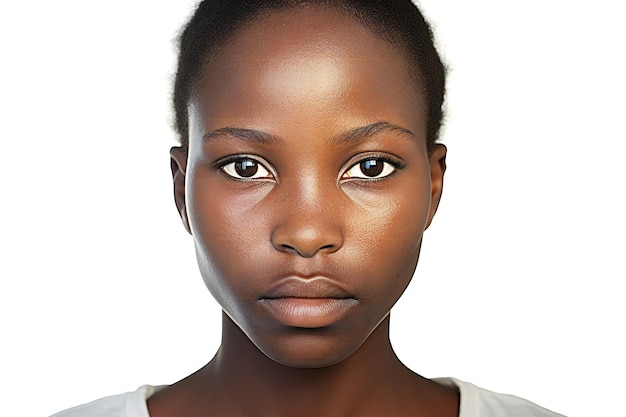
x=249 y=135
x=350 y=136
x=364 y=132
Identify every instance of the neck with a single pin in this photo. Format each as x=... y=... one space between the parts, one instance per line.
x=239 y=359
x=322 y=391
x=241 y=380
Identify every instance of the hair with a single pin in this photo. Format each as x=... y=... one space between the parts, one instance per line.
x=397 y=22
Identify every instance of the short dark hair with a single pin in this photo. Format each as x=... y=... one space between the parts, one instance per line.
x=398 y=22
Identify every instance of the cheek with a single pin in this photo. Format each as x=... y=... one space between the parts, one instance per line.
x=219 y=212
x=387 y=234
x=228 y=232
x=395 y=216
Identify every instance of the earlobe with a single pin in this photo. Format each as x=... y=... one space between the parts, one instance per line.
x=437 y=161
x=178 y=164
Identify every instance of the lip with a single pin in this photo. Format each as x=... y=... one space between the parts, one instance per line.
x=307 y=287
x=308 y=302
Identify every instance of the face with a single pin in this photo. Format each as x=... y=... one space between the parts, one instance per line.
x=307 y=184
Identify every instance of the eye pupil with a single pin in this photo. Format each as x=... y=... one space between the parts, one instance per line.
x=372 y=167
x=246 y=168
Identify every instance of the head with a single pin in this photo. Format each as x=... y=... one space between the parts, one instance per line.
x=308 y=168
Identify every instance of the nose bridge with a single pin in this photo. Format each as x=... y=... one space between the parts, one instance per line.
x=308 y=222
x=311 y=192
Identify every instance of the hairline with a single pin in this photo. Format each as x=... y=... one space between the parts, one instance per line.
x=413 y=70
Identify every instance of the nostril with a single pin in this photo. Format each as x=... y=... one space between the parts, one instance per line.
x=306 y=237
x=287 y=248
x=303 y=252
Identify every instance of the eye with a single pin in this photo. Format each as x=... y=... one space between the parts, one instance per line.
x=371 y=168
x=245 y=168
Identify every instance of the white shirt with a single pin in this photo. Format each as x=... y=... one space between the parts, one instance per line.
x=475 y=402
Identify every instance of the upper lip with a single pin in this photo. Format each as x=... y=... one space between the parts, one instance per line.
x=307 y=287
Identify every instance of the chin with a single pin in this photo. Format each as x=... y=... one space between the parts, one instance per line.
x=308 y=348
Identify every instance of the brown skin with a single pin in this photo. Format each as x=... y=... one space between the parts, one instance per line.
x=310 y=229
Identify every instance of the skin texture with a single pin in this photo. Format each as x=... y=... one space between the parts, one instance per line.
x=308 y=256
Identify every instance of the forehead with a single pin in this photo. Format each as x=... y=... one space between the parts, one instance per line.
x=307 y=62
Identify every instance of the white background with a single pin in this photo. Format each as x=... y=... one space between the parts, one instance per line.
x=519 y=286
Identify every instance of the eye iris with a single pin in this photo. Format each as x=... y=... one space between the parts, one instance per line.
x=372 y=167
x=246 y=168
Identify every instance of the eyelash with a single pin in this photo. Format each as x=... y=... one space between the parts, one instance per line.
x=390 y=166
x=228 y=166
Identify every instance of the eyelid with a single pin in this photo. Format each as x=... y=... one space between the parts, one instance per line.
x=357 y=159
x=227 y=160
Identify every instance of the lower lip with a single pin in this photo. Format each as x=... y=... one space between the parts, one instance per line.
x=309 y=312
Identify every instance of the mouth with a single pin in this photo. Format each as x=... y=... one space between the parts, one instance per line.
x=308 y=302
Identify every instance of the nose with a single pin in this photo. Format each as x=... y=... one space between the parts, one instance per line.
x=308 y=225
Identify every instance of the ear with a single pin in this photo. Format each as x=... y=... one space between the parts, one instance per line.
x=179 y=168
x=437 y=159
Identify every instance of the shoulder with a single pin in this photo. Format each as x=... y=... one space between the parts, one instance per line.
x=477 y=402
x=130 y=404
